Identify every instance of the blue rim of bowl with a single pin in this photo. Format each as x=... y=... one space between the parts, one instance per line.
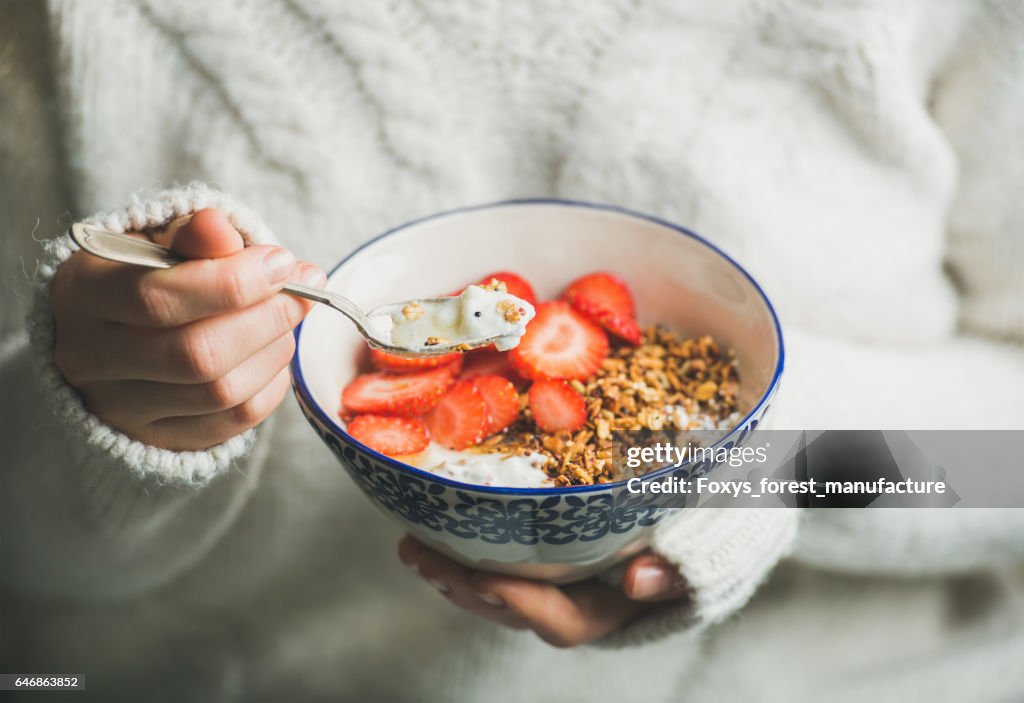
x=300 y=381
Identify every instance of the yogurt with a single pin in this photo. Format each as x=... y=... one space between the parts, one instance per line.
x=510 y=470
x=683 y=420
x=479 y=312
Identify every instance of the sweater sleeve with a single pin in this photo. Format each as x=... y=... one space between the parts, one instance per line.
x=723 y=555
x=90 y=511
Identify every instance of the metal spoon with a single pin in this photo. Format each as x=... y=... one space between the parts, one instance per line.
x=140 y=252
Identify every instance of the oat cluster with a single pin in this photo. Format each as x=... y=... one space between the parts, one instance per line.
x=666 y=383
x=510 y=311
x=495 y=285
x=412 y=311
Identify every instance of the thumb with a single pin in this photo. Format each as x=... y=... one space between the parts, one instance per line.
x=651 y=578
x=206 y=234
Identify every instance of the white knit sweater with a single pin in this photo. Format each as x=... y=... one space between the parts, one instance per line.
x=859 y=157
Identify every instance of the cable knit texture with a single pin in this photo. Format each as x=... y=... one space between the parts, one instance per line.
x=147 y=210
x=734 y=553
x=723 y=555
x=863 y=158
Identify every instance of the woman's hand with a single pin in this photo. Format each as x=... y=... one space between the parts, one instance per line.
x=188 y=357
x=563 y=616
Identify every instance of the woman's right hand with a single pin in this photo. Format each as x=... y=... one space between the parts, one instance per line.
x=187 y=357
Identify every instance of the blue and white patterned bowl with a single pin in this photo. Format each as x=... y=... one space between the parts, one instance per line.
x=557 y=534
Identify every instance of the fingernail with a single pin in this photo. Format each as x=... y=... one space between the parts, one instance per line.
x=439 y=585
x=312 y=275
x=650 y=581
x=491 y=599
x=278 y=265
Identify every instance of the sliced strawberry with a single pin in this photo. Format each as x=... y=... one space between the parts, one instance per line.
x=393 y=363
x=501 y=399
x=559 y=343
x=622 y=326
x=604 y=290
x=556 y=407
x=490 y=362
x=605 y=299
x=394 y=436
x=407 y=394
x=516 y=285
x=460 y=419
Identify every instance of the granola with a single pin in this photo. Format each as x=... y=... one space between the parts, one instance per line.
x=511 y=311
x=412 y=311
x=665 y=383
x=495 y=285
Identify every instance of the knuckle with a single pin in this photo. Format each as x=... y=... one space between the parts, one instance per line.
x=156 y=302
x=198 y=355
x=222 y=394
x=287 y=312
x=251 y=412
x=256 y=409
x=235 y=289
x=281 y=385
x=286 y=346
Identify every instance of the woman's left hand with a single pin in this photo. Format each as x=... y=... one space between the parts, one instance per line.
x=563 y=616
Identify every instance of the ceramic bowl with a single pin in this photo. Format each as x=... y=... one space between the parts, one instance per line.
x=555 y=534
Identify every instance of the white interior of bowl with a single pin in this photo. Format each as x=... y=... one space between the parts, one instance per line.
x=678 y=281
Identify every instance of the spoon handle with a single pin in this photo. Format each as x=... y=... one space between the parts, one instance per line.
x=141 y=252
x=340 y=303
x=122 y=248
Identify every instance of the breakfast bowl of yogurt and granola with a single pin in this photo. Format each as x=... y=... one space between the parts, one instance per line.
x=609 y=324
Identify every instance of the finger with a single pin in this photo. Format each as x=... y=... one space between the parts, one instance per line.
x=410 y=551
x=651 y=578
x=200 y=432
x=165 y=236
x=602 y=608
x=453 y=581
x=199 y=352
x=561 y=617
x=138 y=403
x=184 y=293
x=206 y=234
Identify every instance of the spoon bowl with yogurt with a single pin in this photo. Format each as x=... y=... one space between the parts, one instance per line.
x=478 y=317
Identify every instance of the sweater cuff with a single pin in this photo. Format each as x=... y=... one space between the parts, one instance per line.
x=723 y=555
x=147 y=210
